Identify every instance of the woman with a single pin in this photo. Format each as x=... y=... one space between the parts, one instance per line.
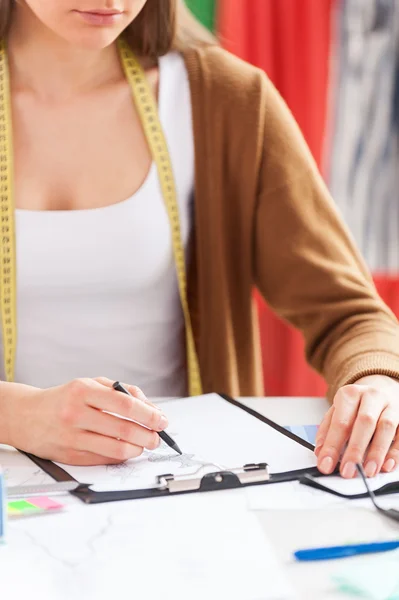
x=92 y=215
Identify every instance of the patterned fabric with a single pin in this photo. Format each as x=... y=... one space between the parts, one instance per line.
x=364 y=164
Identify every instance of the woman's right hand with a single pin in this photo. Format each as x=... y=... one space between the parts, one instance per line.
x=70 y=423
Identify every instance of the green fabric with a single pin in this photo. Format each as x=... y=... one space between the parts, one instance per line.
x=204 y=10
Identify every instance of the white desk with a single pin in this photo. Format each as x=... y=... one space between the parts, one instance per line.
x=65 y=555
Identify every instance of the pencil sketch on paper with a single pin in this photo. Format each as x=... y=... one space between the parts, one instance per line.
x=184 y=460
x=163 y=454
x=123 y=471
x=152 y=463
x=144 y=471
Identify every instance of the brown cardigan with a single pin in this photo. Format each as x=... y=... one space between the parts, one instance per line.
x=263 y=217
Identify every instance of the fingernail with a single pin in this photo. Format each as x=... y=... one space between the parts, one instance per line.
x=317 y=449
x=163 y=422
x=371 y=468
x=349 y=470
x=389 y=465
x=327 y=465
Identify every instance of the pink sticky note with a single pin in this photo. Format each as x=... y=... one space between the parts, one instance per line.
x=45 y=503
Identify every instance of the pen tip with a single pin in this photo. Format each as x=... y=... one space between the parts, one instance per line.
x=176 y=447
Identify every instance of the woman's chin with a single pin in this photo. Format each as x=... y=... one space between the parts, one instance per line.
x=93 y=39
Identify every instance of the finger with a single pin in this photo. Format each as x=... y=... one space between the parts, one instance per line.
x=133 y=389
x=98 y=396
x=371 y=406
x=323 y=429
x=108 y=447
x=346 y=404
x=138 y=393
x=392 y=461
x=384 y=435
x=104 y=424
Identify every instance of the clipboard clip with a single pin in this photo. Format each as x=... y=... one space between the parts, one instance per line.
x=219 y=480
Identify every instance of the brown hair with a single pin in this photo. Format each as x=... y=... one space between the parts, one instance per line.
x=161 y=26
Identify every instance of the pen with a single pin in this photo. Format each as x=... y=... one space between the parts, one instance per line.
x=162 y=434
x=344 y=551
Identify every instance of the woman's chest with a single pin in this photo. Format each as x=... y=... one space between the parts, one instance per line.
x=88 y=153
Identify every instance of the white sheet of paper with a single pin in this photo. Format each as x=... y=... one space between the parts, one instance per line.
x=356 y=486
x=193 y=546
x=289 y=495
x=18 y=469
x=213 y=435
x=293 y=495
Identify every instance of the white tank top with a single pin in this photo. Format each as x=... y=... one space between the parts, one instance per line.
x=97 y=291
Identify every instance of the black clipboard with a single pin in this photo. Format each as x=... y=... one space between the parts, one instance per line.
x=167 y=484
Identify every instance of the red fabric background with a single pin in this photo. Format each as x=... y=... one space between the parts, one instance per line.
x=290 y=40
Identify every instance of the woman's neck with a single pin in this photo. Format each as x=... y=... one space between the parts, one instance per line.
x=50 y=66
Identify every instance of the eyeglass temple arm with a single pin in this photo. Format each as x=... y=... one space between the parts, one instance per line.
x=369 y=490
x=391 y=513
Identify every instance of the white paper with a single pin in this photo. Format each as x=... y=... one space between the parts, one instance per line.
x=213 y=435
x=376 y=577
x=293 y=495
x=356 y=486
x=290 y=495
x=18 y=469
x=186 y=547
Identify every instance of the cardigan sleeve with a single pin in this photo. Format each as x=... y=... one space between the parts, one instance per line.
x=306 y=264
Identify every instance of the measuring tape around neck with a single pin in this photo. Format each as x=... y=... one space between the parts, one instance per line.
x=148 y=112
x=7 y=225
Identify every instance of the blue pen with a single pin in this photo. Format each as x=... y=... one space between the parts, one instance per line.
x=344 y=551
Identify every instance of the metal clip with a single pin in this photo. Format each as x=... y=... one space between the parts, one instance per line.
x=230 y=478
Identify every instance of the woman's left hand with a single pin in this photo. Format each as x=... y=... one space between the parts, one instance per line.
x=362 y=426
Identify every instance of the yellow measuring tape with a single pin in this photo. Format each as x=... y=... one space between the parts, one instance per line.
x=7 y=245
x=148 y=112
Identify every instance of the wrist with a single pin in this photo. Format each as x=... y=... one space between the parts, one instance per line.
x=4 y=412
x=10 y=394
x=372 y=380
